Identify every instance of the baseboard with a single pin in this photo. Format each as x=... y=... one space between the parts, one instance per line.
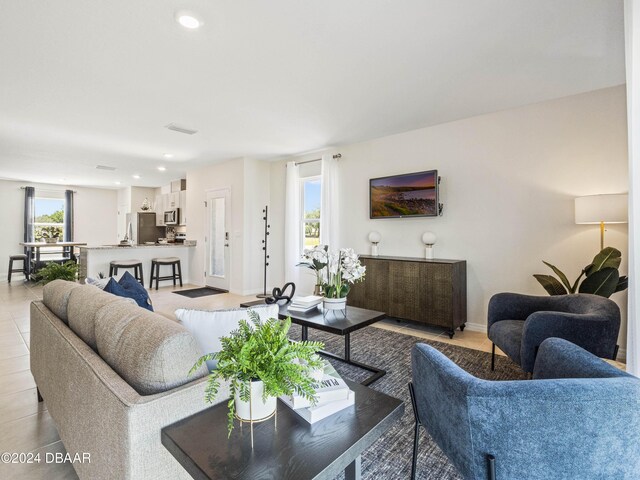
x=622 y=355
x=476 y=327
x=245 y=293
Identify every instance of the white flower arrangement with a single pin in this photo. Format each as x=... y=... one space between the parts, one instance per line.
x=335 y=271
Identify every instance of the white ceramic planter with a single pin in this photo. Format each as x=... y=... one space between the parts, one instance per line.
x=258 y=410
x=334 y=303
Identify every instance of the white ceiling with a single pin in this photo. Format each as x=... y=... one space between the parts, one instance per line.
x=84 y=83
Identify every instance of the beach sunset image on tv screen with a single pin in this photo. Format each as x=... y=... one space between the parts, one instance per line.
x=413 y=194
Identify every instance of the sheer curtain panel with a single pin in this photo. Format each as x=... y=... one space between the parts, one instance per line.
x=293 y=225
x=329 y=203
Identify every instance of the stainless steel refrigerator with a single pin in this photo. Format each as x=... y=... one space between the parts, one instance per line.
x=147 y=230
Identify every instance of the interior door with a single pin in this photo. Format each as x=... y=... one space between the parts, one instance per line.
x=217 y=239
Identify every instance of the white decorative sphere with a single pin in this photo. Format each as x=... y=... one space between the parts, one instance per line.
x=375 y=237
x=429 y=238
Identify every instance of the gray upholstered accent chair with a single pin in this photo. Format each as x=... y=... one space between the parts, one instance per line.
x=518 y=324
x=579 y=418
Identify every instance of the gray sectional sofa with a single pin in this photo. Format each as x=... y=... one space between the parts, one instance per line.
x=112 y=375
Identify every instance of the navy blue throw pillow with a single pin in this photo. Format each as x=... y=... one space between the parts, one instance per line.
x=129 y=287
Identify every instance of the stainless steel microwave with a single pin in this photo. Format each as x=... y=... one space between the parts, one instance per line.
x=172 y=217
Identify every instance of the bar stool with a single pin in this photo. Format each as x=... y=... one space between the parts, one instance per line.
x=114 y=265
x=21 y=257
x=155 y=268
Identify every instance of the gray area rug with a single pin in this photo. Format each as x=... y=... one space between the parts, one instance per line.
x=390 y=457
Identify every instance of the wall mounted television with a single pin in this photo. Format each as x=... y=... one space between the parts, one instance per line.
x=407 y=195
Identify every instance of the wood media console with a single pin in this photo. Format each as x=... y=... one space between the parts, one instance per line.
x=432 y=292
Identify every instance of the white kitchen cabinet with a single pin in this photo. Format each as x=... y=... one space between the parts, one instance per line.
x=173 y=200
x=178 y=185
x=160 y=208
x=183 y=207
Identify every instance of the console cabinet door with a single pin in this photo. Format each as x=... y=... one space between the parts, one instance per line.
x=371 y=293
x=404 y=289
x=435 y=301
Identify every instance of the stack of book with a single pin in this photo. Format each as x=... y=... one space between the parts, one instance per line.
x=332 y=393
x=305 y=304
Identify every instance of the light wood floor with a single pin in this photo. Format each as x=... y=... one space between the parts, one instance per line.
x=25 y=424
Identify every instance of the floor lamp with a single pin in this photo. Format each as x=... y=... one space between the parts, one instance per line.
x=602 y=209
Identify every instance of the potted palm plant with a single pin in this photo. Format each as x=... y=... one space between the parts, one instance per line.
x=261 y=364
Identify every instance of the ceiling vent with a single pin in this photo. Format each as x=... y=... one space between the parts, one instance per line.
x=178 y=128
x=105 y=167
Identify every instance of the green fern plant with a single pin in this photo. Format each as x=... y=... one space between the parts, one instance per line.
x=57 y=271
x=259 y=350
x=601 y=277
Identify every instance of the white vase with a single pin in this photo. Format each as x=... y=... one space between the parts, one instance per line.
x=256 y=410
x=334 y=303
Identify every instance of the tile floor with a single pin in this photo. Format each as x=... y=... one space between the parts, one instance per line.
x=25 y=424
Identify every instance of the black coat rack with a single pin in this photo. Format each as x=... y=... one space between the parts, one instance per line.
x=265 y=244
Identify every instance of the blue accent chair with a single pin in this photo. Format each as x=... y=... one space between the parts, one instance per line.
x=579 y=418
x=518 y=324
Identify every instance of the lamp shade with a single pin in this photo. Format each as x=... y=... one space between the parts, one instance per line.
x=429 y=238
x=609 y=208
x=375 y=237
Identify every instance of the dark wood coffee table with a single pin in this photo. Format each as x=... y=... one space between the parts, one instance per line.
x=284 y=448
x=337 y=323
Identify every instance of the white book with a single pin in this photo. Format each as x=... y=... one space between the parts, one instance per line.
x=308 y=301
x=293 y=308
x=317 y=413
x=304 y=306
x=330 y=389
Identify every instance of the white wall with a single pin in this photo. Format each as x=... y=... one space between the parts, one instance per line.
x=256 y=196
x=228 y=174
x=508 y=184
x=95 y=216
x=249 y=183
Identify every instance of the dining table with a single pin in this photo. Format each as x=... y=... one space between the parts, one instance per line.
x=32 y=249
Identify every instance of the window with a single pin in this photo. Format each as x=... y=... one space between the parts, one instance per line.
x=310 y=187
x=49 y=218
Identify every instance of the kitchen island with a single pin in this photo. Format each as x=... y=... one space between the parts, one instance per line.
x=95 y=259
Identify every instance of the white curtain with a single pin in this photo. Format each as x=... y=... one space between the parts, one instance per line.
x=329 y=203
x=292 y=227
x=632 y=53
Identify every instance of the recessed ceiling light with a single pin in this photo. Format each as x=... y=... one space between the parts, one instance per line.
x=167 y=155
x=117 y=183
x=162 y=169
x=188 y=20
x=136 y=177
